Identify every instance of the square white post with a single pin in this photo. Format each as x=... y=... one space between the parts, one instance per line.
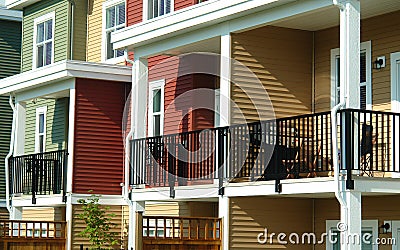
x=139 y=97
x=19 y=147
x=225 y=80
x=223 y=213
x=134 y=208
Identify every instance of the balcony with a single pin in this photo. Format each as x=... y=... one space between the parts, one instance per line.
x=38 y=174
x=293 y=147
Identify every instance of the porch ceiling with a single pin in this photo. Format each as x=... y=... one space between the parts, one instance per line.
x=212 y=45
x=329 y=16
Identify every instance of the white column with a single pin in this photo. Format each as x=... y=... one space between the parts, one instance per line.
x=225 y=78
x=19 y=147
x=350 y=94
x=223 y=213
x=134 y=208
x=351 y=217
x=139 y=96
x=16 y=213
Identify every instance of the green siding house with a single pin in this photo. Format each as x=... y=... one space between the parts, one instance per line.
x=10 y=64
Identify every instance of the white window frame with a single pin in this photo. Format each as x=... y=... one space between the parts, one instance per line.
x=365 y=224
x=395 y=233
x=38 y=20
x=39 y=111
x=158 y=84
x=106 y=5
x=364 y=46
x=146 y=10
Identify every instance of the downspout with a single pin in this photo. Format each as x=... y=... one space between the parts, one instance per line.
x=127 y=147
x=10 y=153
x=335 y=150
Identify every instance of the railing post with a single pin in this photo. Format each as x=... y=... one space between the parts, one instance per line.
x=221 y=154
x=171 y=169
x=34 y=179
x=348 y=146
x=64 y=177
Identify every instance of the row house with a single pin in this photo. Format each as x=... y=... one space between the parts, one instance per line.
x=10 y=61
x=263 y=117
x=68 y=108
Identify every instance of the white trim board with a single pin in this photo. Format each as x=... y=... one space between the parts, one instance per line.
x=61 y=71
x=239 y=14
x=10 y=15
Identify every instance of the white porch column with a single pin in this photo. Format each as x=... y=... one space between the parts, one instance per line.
x=351 y=217
x=223 y=213
x=225 y=80
x=350 y=95
x=136 y=207
x=16 y=213
x=139 y=96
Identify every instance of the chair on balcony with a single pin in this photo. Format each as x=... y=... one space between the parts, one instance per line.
x=368 y=140
x=305 y=159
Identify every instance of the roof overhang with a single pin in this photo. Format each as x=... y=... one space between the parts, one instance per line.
x=19 y=4
x=207 y=20
x=62 y=71
x=10 y=15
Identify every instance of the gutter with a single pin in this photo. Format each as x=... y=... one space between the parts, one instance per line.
x=10 y=153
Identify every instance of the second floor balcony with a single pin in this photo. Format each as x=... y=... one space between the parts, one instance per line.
x=39 y=174
x=285 y=148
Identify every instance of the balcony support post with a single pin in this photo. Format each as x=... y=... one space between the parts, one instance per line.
x=139 y=97
x=349 y=96
x=225 y=80
x=223 y=213
x=135 y=210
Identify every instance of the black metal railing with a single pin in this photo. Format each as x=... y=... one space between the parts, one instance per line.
x=38 y=174
x=378 y=149
x=266 y=150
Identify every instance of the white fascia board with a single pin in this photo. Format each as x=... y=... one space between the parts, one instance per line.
x=191 y=18
x=10 y=15
x=321 y=185
x=41 y=201
x=19 y=4
x=377 y=185
x=45 y=90
x=254 y=20
x=62 y=71
x=116 y=200
x=239 y=16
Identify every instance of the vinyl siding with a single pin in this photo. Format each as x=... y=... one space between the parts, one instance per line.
x=10 y=63
x=121 y=220
x=384 y=35
x=79 y=26
x=4 y=213
x=61 y=36
x=281 y=59
x=56 y=124
x=182 y=208
x=43 y=213
x=251 y=215
x=134 y=12
x=99 y=149
x=95 y=30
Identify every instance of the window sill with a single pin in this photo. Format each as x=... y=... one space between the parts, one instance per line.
x=116 y=60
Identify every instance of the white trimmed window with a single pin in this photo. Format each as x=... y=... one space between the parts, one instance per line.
x=40 y=130
x=369 y=227
x=156 y=108
x=365 y=76
x=115 y=19
x=43 y=40
x=156 y=8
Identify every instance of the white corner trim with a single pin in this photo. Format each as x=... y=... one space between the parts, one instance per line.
x=107 y=4
x=38 y=20
x=394 y=77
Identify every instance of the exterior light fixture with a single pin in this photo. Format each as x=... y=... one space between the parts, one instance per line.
x=380 y=62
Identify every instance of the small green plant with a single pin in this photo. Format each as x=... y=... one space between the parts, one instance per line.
x=98 y=223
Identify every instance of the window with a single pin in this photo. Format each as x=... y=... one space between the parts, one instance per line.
x=368 y=227
x=365 y=76
x=43 y=40
x=156 y=108
x=114 y=20
x=158 y=8
x=40 y=131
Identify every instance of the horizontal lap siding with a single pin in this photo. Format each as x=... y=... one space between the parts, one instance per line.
x=61 y=40
x=10 y=64
x=281 y=59
x=56 y=124
x=251 y=215
x=384 y=35
x=95 y=30
x=121 y=220
x=80 y=25
x=99 y=151
x=134 y=13
x=181 y=4
x=43 y=213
